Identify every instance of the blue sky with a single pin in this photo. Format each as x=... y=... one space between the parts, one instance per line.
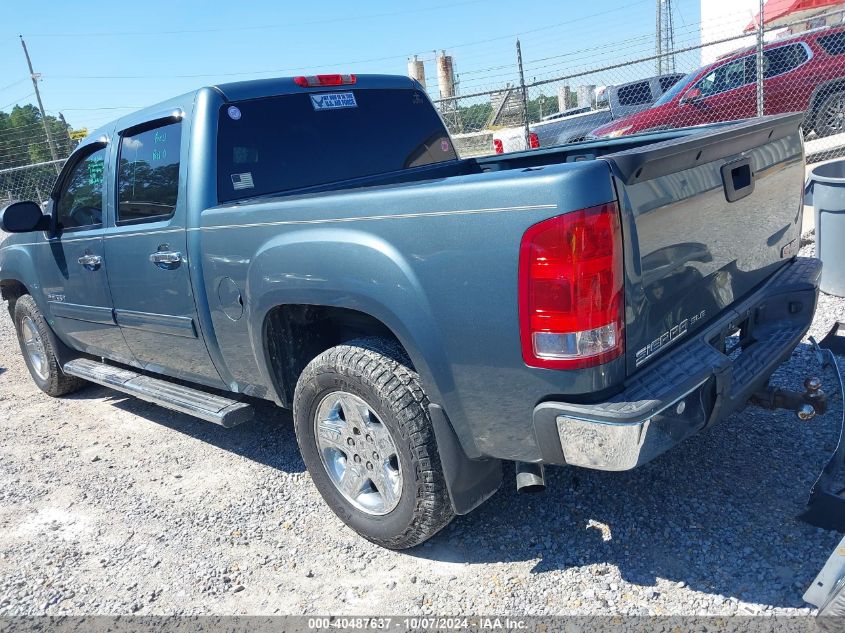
x=100 y=59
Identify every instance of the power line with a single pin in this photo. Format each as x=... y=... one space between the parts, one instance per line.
x=15 y=101
x=287 y=25
x=549 y=26
x=640 y=42
x=359 y=61
x=567 y=59
x=13 y=84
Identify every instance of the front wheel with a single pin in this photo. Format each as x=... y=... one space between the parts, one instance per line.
x=36 y=344
x=363 y=428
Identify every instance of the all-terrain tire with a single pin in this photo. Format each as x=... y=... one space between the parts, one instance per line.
x=378 y=372
x=52 y=381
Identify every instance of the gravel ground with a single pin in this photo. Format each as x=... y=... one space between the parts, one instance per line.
x=111 y=505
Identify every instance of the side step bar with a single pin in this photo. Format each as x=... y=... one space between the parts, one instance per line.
x=200 y=404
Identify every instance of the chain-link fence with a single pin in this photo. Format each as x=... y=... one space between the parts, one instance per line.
x=723 y=69
x=29 y=182
x=735 y=74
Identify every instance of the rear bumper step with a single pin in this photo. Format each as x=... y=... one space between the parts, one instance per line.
x=692 y=387
x=201 y=404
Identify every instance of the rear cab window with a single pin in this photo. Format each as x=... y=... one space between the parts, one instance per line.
x=635 y=94
x=281 y=143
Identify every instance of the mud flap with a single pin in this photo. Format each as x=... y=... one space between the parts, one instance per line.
x=470 y=481
x=826 y=505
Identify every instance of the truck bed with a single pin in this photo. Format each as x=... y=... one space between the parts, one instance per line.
x=433 y=254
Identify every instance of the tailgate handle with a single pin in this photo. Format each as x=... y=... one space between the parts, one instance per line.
x=738 y=179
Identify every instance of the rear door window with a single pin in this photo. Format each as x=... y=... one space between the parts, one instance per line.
x=148 y=173
x=276 y=144
x=782 y=59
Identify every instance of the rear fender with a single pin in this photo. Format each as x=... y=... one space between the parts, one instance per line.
x=345 y=268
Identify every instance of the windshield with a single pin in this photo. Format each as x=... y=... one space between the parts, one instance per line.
x=276 y=144
x=676 y=89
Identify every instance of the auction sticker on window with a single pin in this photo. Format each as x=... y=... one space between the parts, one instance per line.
x=333 y=100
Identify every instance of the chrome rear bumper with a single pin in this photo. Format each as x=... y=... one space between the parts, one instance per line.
x=690 y=388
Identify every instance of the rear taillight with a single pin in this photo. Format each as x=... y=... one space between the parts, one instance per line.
x=324 y=80
x=498 y=146
x=533 y=141
x=571 y=289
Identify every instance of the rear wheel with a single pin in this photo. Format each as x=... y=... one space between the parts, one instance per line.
x=364 y=431
x=830 y=117
x=37 y=348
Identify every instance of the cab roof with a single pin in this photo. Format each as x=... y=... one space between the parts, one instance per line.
x=244 y=90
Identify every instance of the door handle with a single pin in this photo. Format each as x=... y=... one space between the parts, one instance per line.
x=90 y=262
x=166 y=259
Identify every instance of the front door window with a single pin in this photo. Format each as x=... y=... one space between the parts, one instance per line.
x=80 y=199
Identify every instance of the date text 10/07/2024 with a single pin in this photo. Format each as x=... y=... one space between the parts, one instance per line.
x=415 y=623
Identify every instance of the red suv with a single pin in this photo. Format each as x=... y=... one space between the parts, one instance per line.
x=804 y=72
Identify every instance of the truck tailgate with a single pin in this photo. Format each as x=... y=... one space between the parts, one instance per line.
x=706 y=219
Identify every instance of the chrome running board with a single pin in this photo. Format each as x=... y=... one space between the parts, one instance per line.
x=201 y=404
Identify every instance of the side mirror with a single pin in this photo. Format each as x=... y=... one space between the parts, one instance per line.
x=693 y=95
x=23 y=217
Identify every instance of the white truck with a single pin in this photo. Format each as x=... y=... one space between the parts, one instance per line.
x=573 y=125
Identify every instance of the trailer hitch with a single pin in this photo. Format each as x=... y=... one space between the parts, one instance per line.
x=805 y=405
x=826 y=505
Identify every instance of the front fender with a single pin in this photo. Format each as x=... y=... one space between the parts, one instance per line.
x=17 y=264
x=347 y=268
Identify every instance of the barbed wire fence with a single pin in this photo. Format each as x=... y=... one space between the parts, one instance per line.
x=568 y=106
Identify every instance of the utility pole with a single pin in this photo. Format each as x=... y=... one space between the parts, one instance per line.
x=524 y=96
x=664 y=37
x=35 y=76
x=668 y=32
x=658 y=36
x=761 y=105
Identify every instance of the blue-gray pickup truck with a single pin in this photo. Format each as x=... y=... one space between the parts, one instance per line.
x=316 y=241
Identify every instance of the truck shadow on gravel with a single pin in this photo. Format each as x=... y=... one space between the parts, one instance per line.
x=268 y=439
x=716 y=514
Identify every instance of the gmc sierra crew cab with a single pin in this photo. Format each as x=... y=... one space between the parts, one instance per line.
x=315 y=241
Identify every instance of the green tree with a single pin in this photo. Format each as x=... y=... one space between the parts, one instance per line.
x=476 y=116
x=23 y=140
